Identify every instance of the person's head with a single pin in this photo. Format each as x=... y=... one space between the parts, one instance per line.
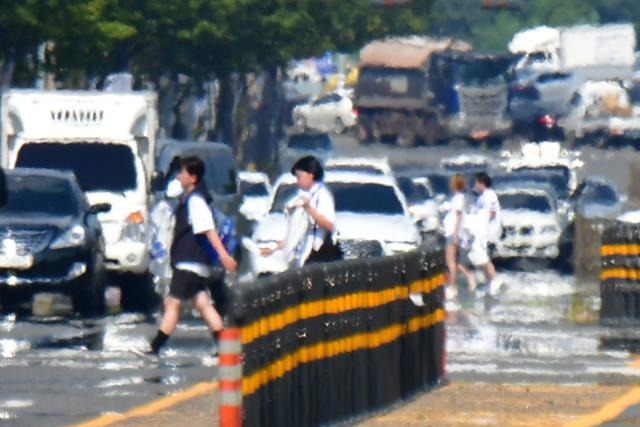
x=457 y=184
x=191 y=172
x=483 y=181
x=307 y=171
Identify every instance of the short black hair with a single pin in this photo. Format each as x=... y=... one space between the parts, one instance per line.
x=194 y=166
x=484 y=179
x=310 y=165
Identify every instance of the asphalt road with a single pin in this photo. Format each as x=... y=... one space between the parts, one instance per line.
x=542 y=329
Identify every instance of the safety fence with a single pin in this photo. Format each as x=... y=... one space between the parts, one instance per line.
x=620 y=274
x=331 y=342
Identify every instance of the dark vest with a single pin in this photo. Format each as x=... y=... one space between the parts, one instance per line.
x=186 y=246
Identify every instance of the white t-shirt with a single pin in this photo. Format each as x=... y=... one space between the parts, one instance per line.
x=321 y=199
x=488 y=202
x=458 y=205
x=200 y=215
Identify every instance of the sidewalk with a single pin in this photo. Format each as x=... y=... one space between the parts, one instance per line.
x=458 y=404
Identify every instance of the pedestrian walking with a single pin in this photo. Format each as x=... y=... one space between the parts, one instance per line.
x=489 y=227
x=311 y=234
x=194 y=248
x=457 y=240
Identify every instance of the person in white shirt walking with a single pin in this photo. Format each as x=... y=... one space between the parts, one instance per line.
x=314 y=236
x=456 y=237
x=490 y=223
x=195 y=241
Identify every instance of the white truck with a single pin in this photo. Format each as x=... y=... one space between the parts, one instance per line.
x=108 y=140
x=593 y=51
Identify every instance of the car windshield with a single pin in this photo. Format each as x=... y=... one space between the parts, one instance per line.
x=439 y=183
x=306 y=141
x=557 y=176
x=366 y=198
x=253 y=189
x=601 y=194
x=38 y=195
x=98 y=167
x=523 y=201
x=284 y=193
x=414 y=194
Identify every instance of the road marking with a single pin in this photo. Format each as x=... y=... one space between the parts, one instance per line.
x=609 y=411
x=153 y=407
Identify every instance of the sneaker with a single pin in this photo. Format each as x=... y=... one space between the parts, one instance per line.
x=416 y=299
x=495 y=288
x=147 y=355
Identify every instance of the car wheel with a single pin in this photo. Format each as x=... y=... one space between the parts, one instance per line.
x=339 y=126
x=88 y=294
x=137 y=293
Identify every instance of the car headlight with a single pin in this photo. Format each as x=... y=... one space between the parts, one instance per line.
x=399 y=247
x=74 y=236
x=548 y=229
x=134 y=228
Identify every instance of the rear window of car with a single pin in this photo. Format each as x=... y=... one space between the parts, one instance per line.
x=320 y=142
x=37 y=195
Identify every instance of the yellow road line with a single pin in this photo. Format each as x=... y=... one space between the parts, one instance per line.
x=153 y=407
x=634 y=363
x=609 y=411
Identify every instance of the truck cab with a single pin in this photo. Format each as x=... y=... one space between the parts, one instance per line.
x=108 y=141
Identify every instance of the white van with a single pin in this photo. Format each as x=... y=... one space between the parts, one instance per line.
x=108 y=140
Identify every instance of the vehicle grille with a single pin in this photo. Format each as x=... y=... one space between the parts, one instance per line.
x=26 y=241
x=490 y=101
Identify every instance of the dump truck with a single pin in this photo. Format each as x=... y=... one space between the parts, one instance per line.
x=393 y=97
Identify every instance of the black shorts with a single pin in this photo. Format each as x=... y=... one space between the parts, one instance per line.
x=185 y=285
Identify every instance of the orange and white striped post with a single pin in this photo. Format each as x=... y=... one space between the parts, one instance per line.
x=230 y=378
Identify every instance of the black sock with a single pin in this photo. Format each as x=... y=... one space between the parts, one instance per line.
x=160 y=340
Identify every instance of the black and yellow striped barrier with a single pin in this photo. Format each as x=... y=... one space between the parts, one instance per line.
x=331 y=342
x=620 y=275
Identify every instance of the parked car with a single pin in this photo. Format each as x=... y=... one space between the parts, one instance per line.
x=422 y=207
x=597 y=198
x=51 y=240
x=369 y=208
x=297 y=145
x=531 y=224
x=537 y=102
x=332 y=112
x=255 y=190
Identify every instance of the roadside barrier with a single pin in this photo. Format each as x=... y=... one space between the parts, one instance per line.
x=331 y=342
x=620 y=275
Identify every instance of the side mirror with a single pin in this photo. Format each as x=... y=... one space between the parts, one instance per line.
x=99 y=208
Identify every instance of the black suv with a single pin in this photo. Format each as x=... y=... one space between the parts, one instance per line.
x=50 y=240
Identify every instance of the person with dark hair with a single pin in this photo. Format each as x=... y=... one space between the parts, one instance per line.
x=194 y=239
x=314 y=210
x=489 y=223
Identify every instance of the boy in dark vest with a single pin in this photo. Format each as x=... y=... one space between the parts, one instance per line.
x=194 y=238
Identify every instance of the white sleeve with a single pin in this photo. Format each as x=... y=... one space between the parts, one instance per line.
x=200 y=216
x=457 y=204
x=326 y=206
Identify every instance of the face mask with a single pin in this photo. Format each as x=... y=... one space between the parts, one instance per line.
x=174 y=189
